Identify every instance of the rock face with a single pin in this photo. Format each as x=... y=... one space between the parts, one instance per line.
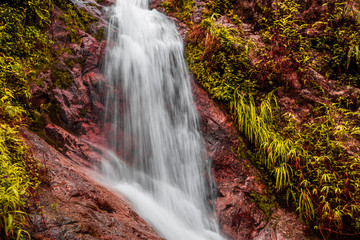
x=70 y=204
x=73 y=204
x=240 y=215
x=74 y=86
x=244 y=207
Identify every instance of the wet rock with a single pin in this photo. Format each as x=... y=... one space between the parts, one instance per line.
x=239 y=216
x=78 y=150
x=197 y=15
x=74 y=85
x=282 y=227
x=72 y=205
x=92 y=51
x=80 y=105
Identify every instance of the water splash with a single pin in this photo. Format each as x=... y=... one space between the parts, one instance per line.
x=155 y=125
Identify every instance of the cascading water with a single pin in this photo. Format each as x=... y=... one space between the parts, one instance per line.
x=155 y=125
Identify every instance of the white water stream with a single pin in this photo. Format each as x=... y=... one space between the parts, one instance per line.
x=155 y=126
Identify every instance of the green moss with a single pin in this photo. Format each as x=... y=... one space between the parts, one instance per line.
x=243 y=151
x=69 y=63
x=100 y=34
x=183 y=9
x=220 y=6
x=265 y=202
x=219 y=58
x=67 y=50
x=169 y=6
x=75 y=18
x=25 y=50
x=61 y=78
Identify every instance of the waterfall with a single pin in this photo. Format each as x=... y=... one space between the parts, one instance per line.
x=156 y=157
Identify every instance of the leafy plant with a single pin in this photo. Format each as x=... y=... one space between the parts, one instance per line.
x=25 y=50
x=182 y=9
x=338 y=42
x=321 y=180
x=16 y=182
x=219 y=58
x=309 y=160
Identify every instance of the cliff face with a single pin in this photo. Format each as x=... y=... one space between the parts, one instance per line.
x=74 y=205
x=287 y=72
x=70 y=203
x=244 y=206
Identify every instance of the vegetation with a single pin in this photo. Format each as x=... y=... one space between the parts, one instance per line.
x=25 y=51
x=75 y=19
x=314 y=160
x=339 y=42
x=328 y=44
x=19 y=176
x=182 y=9
x=219 y=58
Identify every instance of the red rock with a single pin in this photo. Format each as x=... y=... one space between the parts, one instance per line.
x=73 y=204
x=92 y=51
x=239 y=216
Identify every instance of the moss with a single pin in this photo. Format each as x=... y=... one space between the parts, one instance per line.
x=168 y=6
x=75 y=18
x=72 y=35
x=183 y=9
x=243 y=150
x=220 y=6
x=40 y=82
x=100 y=34
x=67 y=50
x=69 y=63
x=219 y=57
x=54 y=109
x=265 y=202
x=39 y=122
x=83 y=112
x=61 y=78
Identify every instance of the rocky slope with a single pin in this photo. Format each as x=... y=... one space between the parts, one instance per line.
x=288 y=72
x=75 y=206
x=244 y=207
x=71 y=204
